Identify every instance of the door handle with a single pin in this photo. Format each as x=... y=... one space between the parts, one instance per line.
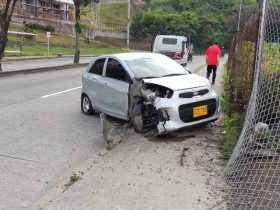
x=91 y=77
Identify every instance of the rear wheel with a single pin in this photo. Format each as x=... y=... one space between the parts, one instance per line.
x=86 y=105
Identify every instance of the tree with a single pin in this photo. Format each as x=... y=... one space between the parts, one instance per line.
x=77 y=4
x=6 y=12
x=78 y=30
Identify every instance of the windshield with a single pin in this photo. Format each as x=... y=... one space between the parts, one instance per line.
x=153 y=67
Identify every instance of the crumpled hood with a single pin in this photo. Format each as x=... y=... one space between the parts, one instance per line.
x=180 y=82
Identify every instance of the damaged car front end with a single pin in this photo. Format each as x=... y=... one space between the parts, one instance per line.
x=163 y=109
x=151 y=91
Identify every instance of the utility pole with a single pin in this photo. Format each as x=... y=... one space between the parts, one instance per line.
x=239 y=15
x=96 y=12
x=128 y=24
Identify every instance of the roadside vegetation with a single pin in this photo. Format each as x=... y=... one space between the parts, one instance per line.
x=72 y=180
x=271 y=62
x=59 y=44
x=114 y=13
x=232 y=122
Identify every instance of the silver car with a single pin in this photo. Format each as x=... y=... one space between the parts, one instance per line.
x=150 y=90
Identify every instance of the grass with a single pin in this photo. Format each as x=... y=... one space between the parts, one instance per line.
x=225 y=99
x=72 y=180
x=116 y=13
x=60 y=44
x=232 y=123
x=42 y=51
x=232 y=127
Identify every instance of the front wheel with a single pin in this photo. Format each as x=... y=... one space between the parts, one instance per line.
x=86 y=106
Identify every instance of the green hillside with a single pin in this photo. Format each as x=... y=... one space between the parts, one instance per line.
x=60 y=44
x=108 y=13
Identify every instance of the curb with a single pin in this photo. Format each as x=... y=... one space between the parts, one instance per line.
x=43 y=69
x=8 y=59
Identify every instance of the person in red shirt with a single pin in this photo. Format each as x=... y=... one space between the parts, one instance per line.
x=213 y=54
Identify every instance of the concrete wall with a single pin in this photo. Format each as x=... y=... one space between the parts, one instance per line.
x=117 y=35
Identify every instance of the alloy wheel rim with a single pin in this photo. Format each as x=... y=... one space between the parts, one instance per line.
x=86 y=104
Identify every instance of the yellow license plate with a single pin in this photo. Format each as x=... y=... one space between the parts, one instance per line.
x=200 y=111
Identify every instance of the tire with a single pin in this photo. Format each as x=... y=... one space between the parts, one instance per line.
x=86 y=105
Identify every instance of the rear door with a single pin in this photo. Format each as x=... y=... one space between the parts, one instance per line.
x=117 y=83
x=95 y=85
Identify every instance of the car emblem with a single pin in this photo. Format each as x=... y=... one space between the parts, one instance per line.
x=196 y=93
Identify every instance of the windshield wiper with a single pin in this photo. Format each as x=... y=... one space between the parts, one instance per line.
x=171 y=75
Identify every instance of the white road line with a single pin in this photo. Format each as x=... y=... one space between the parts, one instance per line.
x=61 y=92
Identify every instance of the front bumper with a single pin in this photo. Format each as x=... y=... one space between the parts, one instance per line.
x=177 y=119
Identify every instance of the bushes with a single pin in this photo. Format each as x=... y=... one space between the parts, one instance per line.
x=271 y=55
x=233 y=121
x=232 y=127
x=35 y=26
x=241 y=72
x=225 y=99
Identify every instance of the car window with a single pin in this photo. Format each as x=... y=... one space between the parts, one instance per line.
x=171 y=41
x=97 y=67
x=154 y=66
x=116 y=71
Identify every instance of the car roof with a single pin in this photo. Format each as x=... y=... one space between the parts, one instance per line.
x=135 y=55
x=171 y=36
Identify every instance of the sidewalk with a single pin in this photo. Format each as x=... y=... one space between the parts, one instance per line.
x=30 y=64
x=197 y=64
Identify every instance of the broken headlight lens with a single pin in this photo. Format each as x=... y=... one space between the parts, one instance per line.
x=160 y=91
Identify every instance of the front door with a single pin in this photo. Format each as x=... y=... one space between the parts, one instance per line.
x=115 y=96
x=95 y=83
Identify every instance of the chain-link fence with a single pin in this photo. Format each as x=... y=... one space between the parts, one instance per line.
x=253 y=172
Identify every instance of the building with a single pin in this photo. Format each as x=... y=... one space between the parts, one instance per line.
x=55 y=10
x=60 y=14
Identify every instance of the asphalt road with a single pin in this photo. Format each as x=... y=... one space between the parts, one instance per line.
x=43 y=135
x=41 y=138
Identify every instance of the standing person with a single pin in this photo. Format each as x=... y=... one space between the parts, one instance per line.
x=190 y=54
x=213 y=54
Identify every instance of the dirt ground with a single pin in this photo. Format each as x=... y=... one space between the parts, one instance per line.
x=147 y=173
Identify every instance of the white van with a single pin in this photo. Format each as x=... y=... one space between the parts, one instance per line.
x=173 y=46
